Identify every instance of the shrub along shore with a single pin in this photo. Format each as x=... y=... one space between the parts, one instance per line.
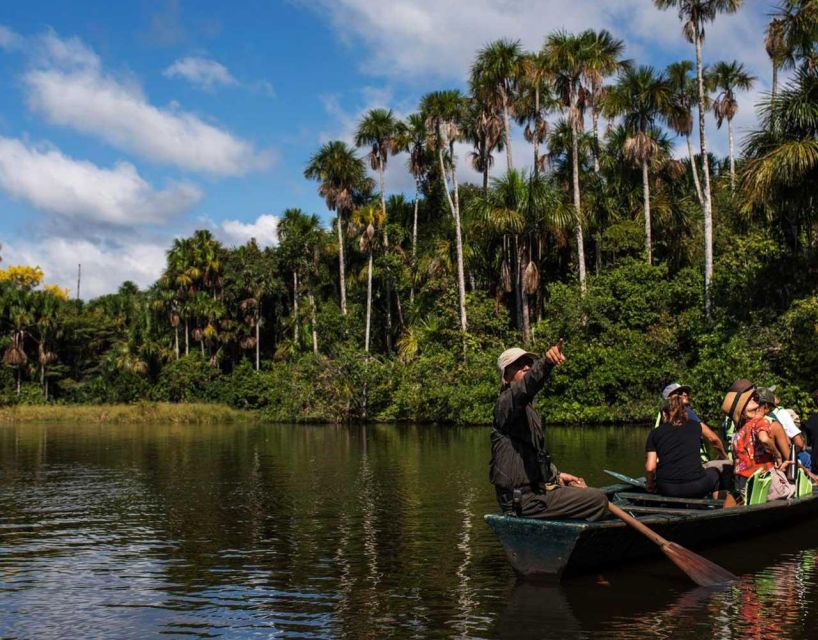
x=155 y=412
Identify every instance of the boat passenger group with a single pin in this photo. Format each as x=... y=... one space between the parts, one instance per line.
x=765 y=447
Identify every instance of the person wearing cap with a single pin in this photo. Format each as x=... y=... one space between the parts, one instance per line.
x=682 y=391
x=782 y=426
x=672 y=464
x=526 y=481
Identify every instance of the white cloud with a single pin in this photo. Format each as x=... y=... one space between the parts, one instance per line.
x=9 y=40
x=104 y=266
x=82 y=191
x=264 y=229
x=70 y=89
x=202 y=72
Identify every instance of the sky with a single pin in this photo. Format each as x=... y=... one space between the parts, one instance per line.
x=124 y=125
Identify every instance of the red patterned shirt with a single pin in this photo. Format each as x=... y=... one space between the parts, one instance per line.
x=748 y=452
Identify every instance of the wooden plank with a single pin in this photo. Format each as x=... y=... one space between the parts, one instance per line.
x=652 y=497
x=668 y=510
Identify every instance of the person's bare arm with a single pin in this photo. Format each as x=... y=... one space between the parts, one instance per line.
x=769 y=444
x=799 y=443
x=782 y=441
x=650 y=470
x=714 y=440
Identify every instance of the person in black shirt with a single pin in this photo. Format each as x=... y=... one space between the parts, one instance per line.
x=672 y=465
x=526 y=481
x=811 y=429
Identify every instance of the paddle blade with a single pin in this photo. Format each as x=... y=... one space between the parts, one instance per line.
x=703 y=572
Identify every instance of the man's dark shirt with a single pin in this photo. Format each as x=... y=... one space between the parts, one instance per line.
x=811 y=431
x=518 y=436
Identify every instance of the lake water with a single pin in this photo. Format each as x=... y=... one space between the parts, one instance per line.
x=335 y=532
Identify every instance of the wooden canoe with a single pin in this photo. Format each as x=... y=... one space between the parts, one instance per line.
x=553 y=549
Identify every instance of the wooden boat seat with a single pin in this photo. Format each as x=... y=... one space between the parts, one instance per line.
x=635 y=510
x=652 y=498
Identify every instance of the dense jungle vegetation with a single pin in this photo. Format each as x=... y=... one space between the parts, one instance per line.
x=652 y=268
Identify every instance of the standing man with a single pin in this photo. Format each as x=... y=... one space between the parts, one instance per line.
x=526 y=481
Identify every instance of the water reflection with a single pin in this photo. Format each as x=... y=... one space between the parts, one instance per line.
x=332 y=532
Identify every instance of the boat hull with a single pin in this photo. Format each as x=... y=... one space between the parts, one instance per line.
x=553 y=549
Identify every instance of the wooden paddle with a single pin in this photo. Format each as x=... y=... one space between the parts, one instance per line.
x=703 y=572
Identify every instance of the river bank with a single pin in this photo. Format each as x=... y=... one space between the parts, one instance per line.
x=155 y=412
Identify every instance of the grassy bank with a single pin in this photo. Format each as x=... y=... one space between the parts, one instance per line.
x=175 y=413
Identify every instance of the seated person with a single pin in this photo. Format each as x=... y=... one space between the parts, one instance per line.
x=672 y=464
x=754 y=447
x=811 y=430
x=791 y=423
x=784 y=439
x=684 y=392
x=526 y=482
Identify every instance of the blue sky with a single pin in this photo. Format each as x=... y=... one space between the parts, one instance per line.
x=126 y=124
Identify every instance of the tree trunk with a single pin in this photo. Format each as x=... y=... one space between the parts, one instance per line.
x=314 y=328
x=341 y=273
x=19 y=382
x=646 y=197
x=707 y=208
x=454 y=207
x=461 y=281
x=524 y=314
x=414 y=241
x=507 y=124
x=694 y=169
x=518 y=287
x=595 y=121
x=258 y=340
x=597 y=252
x=368 y=302
x=577 y=204
x=42 y=381
x=187 y=338
x=387 y=278
x=176 y=340
x=295 y=307
x=732 y=156
x=536 y=130
x=775 y=82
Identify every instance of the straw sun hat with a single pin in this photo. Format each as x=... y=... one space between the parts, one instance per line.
x=737 y=398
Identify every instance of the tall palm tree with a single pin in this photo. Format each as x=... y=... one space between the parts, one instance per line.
x=727 y=78
x=535 y=100
x=413 y=140
x=695 y=14
x=382 y=131
x=443 y=113
x=299 y=238
x=641 y=97
x=569 y=56
x=604 y=60
x=342 y=178
x=680 y=116
x=777 y=47
x=495 y=71
x=483 y=126
x=366 y=220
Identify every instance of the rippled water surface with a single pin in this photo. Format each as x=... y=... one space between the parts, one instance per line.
x=334 y=532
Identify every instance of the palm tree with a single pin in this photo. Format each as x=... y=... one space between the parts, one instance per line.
x=680 y=116
x=534 y=102
x=641 y=97
x=342 y=178
x=776 y=45
x=728 y=77
x=366 y=220
x=443 y=113
x=523 y=206
x=496 y=71
x=604 y=60
x=483 y=125
x=569 y=56
x=695 y=14
x=781 y=169
x=380 y=129
x=299 y=237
